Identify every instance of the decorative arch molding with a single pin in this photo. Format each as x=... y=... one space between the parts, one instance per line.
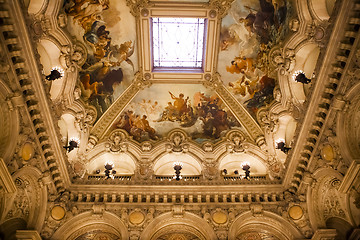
x=269 y=222
x=169 y=221
x=323 y=199
x=9 y=121
x=320 y=9
x=29 y=179
x=77 y=225
x=37 y=6
x=347 y=123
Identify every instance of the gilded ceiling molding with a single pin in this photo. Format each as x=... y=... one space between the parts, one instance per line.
x=136 y=7
x=221 y=6
x=242 y=115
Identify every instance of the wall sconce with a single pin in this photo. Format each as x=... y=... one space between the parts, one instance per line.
x=55 y=73
x=299 y=76
x=109 y=172
x=177 y=167
x=246 y=166
x=73 y=143
x=280 y=144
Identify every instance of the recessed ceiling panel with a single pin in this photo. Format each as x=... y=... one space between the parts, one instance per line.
x=248 y=33
x=107 y=30
x=157 y=110
x=178 y=42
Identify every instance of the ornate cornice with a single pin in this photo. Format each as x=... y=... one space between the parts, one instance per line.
x=335 y=63
x=29 y=80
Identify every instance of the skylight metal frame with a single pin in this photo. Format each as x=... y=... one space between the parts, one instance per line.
x=180 y=75
x=179 y=68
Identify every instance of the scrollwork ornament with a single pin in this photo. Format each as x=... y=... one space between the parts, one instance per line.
x=117 y=142
x=140 y=82
x=283 y=60
x=146 y=146
x=136 y=6
x=83 y=120
x=208 y=147
x=177 y=142
x=73 y=57
x=315 y=32
x=236 y=140
x=275 y=166
x=213 y=82
x=269 y=121
x=222 y=7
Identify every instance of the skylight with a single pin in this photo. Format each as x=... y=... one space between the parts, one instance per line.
x=178 y=43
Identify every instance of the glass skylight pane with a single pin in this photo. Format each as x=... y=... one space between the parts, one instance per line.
x=178 y=42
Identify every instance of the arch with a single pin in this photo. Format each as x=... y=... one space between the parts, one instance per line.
x=9 y=122
x=324 y=194
x=35 y=6
x=49 y=57
x=31 y=196
x=8 y=228
x=123 y=163
x=76 y=226
x=67 y=127
x=285 y=133
x=232 y=162
x=188 y=222
x=343 y=228
x=322 y=9
x=164 y=164
x=348 y=123
x=269 y=222
x=306 y=58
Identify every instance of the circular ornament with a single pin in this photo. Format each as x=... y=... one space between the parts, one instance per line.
x=296 y=212
x=27 y=151
x=136 y=217
x=57 y=212
x=219 y=217
x=327 y=152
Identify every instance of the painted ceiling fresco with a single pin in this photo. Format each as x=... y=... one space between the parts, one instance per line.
x=248 y=32
x=154 y=112
x=107 y=30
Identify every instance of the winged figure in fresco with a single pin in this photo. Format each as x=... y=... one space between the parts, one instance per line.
x=123 y=52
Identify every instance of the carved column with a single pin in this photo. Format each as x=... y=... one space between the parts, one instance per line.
x=324 y=234
x=27 y=235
